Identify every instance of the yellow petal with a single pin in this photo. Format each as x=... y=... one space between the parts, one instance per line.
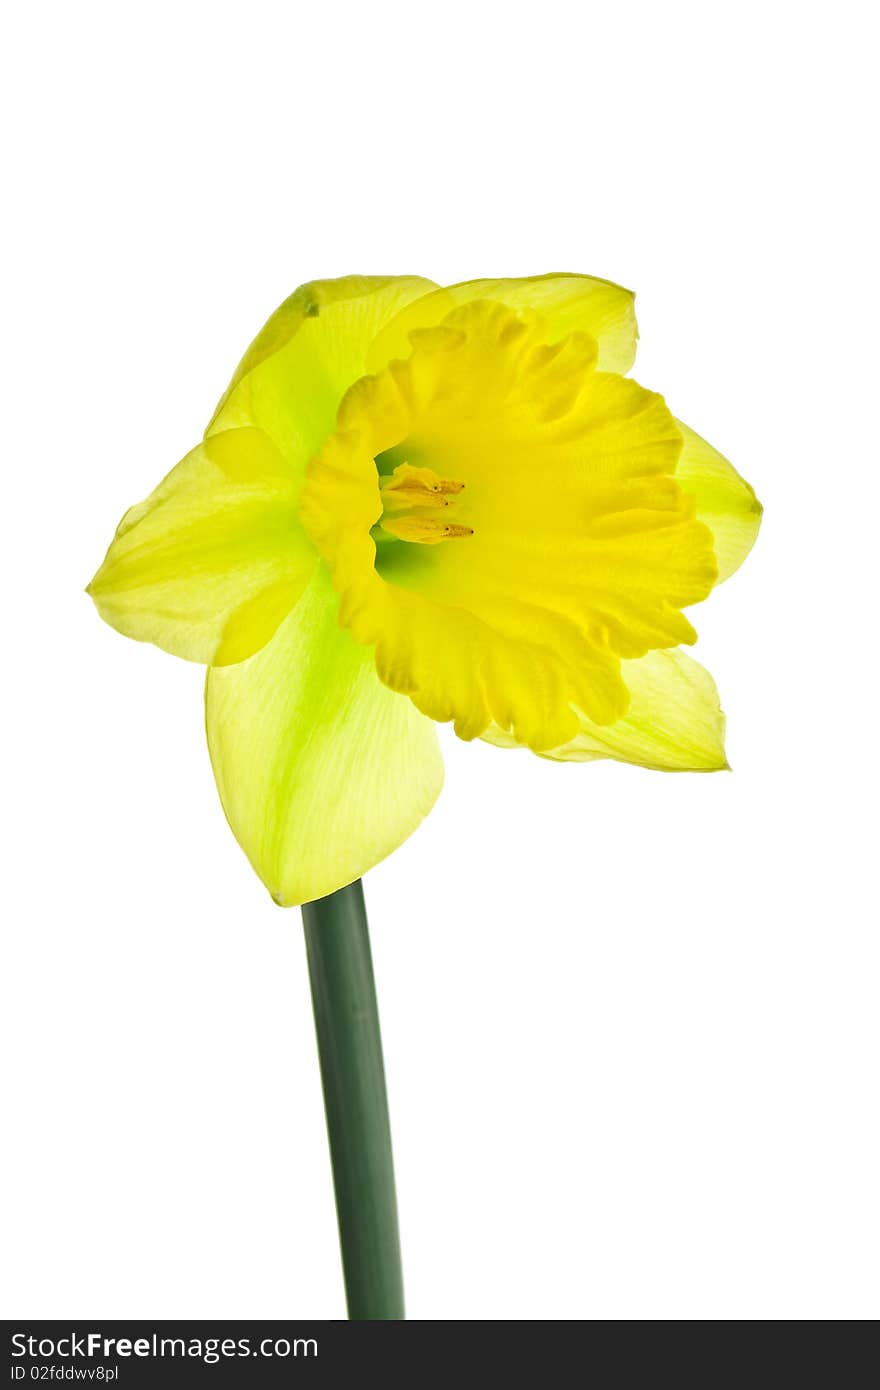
x=674 y=722
x=321 y=769
x=725 y=502
x=293 y=376
x=213 y=560
x=571 y=545
x=567 y=303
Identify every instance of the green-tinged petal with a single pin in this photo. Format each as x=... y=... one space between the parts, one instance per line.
x=295 y=372
x=321 y=769
x=214 y=559
x=568 y=303
x=674 y=722
x=725 y=501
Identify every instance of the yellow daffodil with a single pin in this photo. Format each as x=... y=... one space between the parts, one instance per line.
x=417 y=504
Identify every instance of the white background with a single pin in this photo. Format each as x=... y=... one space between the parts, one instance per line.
x=630 y=1019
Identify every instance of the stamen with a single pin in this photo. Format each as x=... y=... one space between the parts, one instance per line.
x=413 y=492
x=404 y=498
x=426 y=530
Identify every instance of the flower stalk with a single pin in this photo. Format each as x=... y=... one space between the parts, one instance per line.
x=355 y=1100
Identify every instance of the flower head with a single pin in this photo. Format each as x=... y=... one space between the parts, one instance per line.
x=417 y=504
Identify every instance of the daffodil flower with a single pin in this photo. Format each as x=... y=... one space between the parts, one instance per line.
x=418 y=505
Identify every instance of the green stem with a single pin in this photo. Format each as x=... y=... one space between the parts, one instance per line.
x=353 y=1077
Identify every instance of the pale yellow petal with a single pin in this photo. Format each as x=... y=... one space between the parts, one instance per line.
x=322 y=770
x=293 y=376
x=674 y=722
x=567 y=303
x=725 y=501
x=213 y=560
